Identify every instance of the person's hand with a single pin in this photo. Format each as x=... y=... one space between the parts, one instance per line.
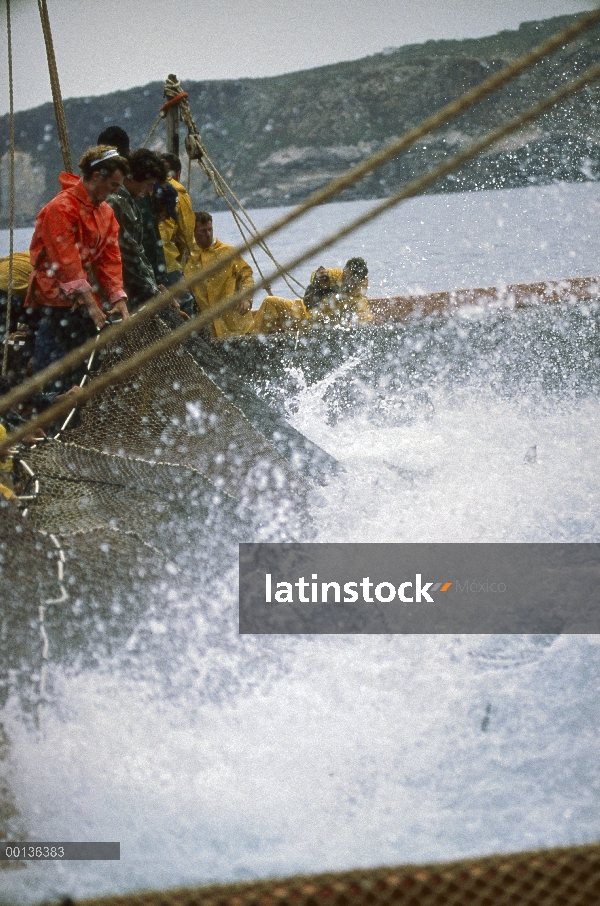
x=96 y=314
x=120 y=308
x=34 y=438
x=244 y=306
x=179 y=310
x=72 y=391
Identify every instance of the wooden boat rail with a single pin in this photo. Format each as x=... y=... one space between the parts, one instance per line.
x=517 y=295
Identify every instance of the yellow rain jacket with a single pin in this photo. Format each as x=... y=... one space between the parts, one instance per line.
x=168 y=230
x=6 y=468
x=226 y=282
x=22 y=268
x=335 y=275
x=178 y=237
x=344 y=308
x=276 y=314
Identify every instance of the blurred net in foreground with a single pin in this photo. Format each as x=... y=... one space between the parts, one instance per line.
x=567 y=876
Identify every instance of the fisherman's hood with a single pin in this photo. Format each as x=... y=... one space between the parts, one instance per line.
x=68 y=180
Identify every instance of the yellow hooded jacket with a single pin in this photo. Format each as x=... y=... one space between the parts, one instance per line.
x=335 y=275
x=6 y=467
x=276 y=314
x=226 y=282
x=22 y=268
x=178 y=237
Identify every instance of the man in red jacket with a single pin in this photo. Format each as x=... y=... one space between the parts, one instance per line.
x=77 y=277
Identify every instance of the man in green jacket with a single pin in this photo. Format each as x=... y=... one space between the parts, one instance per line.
x=139 y=281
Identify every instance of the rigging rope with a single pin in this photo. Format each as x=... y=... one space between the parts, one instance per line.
x=153 y=130
x=59 y=110
x=413 y=188
x=12 y=192
x=197 y=151
x=491 y=84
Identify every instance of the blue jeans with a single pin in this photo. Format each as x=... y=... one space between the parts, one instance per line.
x=60 y=331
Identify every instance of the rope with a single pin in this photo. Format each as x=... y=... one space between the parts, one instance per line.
x=12 y=192
x=81 y=384
x=240 y=226
x=197 y=151
x=123 y=369
x=59 y=110
x=153 y=130
x=108 y=335
x=42 y=624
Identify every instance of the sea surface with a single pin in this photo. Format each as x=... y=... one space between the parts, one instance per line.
x=212 y=757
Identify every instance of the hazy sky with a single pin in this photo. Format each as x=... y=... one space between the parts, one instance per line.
x=105 y=45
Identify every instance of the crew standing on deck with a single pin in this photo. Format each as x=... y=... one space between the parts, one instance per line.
x=224 y=283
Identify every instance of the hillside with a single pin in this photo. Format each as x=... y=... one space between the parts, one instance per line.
x=277 y=139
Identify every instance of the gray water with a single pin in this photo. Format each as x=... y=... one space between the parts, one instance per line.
x=214 y=757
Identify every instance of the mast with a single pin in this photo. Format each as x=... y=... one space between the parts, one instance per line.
x=172 y=121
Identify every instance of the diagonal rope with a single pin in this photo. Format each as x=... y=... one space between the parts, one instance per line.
x=59 y=110
x=197 y=151
x=108 y=335
x=415 y=187
x=152 y=131
x=12 y=192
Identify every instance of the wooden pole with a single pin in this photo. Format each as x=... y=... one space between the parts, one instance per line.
x=172 y=118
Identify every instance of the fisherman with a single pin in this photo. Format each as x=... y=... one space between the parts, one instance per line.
x=178 y=254
x=324 y=282
x=77 y=271
x=333 y=296
x=151 y=240
x=176 y=225
x=7 y=489
x=139 y=279
x=230 y=279
x=21 y=269
x=346 y=303
x=23 y=321
x=355 y=282
x=278 y=314
x=116 y=138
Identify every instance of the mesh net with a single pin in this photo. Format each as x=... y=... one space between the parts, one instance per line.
x=171 y=411
x=557 y=877
x=153 y=488
x=166 y=440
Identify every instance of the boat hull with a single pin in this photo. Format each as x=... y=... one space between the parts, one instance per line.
x=518 y=295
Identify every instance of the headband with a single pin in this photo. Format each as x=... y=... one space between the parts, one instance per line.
x=112 y=153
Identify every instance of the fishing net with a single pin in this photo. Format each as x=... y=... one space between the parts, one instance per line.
x=166 y=440
x=557 y=877
x=147 y=494
x=144 y=496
